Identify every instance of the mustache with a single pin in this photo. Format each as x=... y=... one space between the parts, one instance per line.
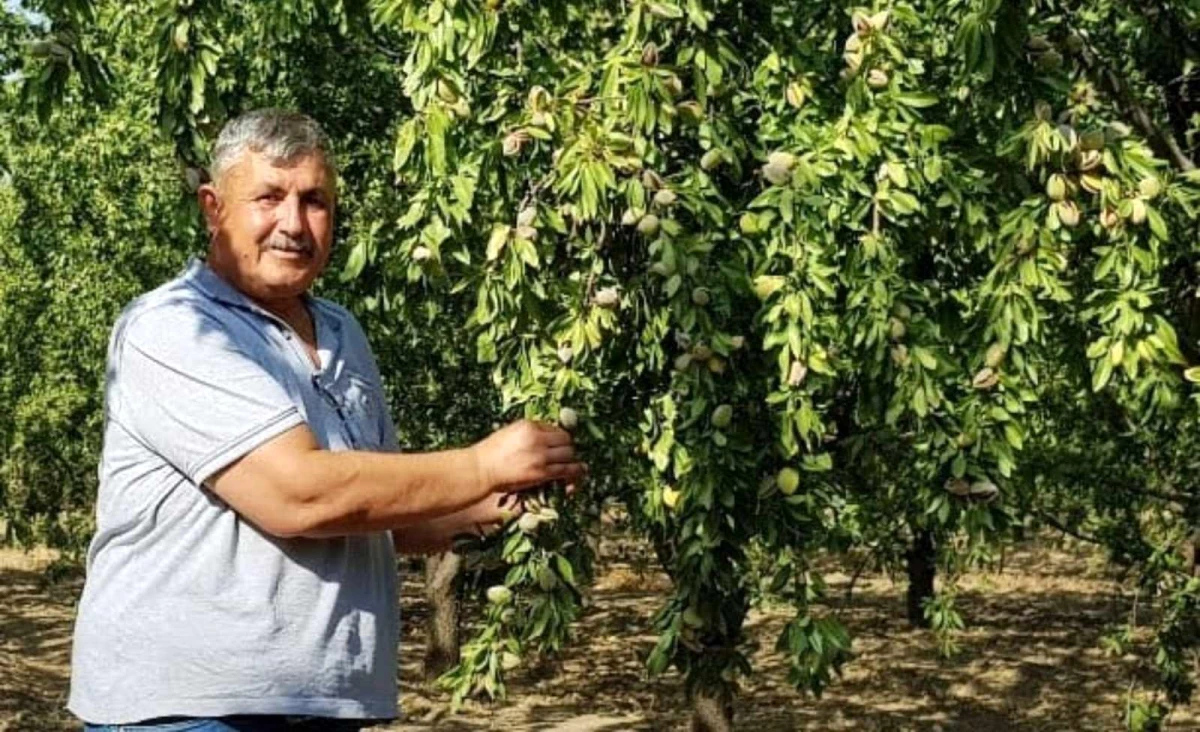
x=304 y=243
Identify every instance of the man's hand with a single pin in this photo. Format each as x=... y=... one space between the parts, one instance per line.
x=526 y=454
x=480 y=519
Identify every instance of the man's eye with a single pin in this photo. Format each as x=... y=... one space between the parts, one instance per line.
x=269 y=198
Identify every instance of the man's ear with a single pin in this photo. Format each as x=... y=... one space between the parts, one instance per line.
x=210 y=204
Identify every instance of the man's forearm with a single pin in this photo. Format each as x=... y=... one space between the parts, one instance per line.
x=437 y=535
x=367 y=491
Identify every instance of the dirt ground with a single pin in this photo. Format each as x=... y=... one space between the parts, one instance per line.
x=1030 y=660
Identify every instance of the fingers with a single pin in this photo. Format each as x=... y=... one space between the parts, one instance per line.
x=564 y=454
x=568 y=472
x=551 y=434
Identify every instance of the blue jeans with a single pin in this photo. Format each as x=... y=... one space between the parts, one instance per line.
x=238 y=723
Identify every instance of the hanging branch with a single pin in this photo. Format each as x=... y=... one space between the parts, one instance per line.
x=1167 y=144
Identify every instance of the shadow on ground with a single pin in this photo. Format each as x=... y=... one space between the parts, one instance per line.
x=1029 y=661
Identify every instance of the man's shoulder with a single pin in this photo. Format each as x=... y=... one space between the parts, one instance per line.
x=170 y=313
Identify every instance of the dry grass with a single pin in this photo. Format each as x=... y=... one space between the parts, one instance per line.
x=1030 y=660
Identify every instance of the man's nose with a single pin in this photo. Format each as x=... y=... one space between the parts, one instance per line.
x=289 y=220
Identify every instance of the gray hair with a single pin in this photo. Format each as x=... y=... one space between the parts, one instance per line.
x=281 y=135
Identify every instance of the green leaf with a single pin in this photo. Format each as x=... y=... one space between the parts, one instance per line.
x=497 y=241
x=355 y=262
x=406 y=140
x=914 y=99
x=1102 y=371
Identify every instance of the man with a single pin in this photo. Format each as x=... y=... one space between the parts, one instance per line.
x=242 y=575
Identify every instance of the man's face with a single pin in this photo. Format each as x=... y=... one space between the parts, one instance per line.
x=273 y=224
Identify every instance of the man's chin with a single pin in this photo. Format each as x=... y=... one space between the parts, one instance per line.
x=286 y=277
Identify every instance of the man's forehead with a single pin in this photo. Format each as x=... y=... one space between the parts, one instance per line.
x=256 y=168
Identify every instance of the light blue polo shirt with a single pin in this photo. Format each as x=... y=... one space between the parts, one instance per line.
x=189 y=609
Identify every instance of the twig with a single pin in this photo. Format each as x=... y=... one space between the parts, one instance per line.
x=1070 y=532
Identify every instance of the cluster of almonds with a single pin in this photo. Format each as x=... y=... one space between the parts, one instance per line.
x=1047 y=55
x=980 y=490
x=701 y=354
x=648 y=223
x=1085 y=171
x=989 y=375
x=855 y=48
x=897 y=329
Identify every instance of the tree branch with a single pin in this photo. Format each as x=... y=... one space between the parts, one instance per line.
x=1167 y=144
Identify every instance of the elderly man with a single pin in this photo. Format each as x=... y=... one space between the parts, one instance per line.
x=252 y=499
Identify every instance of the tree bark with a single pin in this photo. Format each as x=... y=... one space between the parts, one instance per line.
x=922 y=567
x=441 y=592
x=710 y=714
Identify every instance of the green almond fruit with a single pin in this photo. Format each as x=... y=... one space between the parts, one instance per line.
x=795 y=94
x=568 y=418
x=1068 y=213
x=665 y=197
x=498 y=594
x=1056 y=187
x=1149 y=187
x=690 y=111
x=722 y=416
x=607 y=297
x=788 y=480
x=650 y=54
x=782 y=159
x=995 y=355
x=1137 y=211
x=776 y=174
x=766 y=285
x=528 y=523
x=985 y=378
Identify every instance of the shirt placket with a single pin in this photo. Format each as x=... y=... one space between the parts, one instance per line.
x=316 y=377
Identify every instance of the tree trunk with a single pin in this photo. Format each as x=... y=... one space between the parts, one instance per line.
x=710 y=714
x=922 y=566
x=441 y=592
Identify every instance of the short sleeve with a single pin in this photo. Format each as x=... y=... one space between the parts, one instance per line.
x=189 y=391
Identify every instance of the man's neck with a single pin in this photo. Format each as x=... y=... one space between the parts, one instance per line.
x=292 y=310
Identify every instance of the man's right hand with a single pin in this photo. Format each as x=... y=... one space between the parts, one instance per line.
x=526 y=454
